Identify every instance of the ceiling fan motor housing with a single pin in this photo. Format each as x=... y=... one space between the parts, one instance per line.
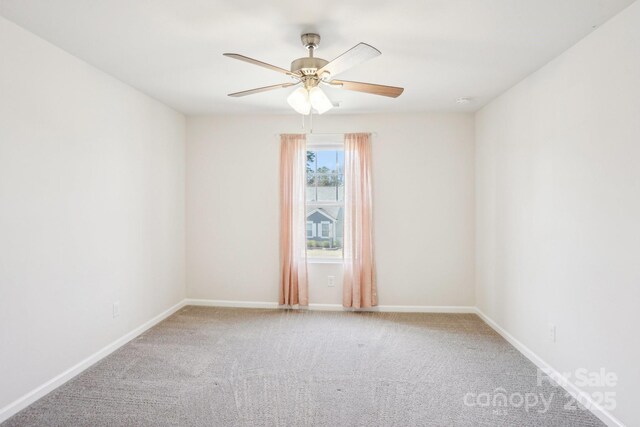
x=307 y=66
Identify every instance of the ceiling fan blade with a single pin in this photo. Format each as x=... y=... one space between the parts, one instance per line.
x=390 y=91
x=261 y=89
x=354 y=56
x=260 y=63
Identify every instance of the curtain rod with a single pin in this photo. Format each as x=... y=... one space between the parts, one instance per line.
x=326 y=133
x=309 y=130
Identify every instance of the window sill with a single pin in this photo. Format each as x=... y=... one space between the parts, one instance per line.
x=324 y=261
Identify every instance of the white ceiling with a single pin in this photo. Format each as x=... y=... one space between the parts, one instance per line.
x=438 y=50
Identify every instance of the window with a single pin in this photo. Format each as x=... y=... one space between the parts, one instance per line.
x=325 y=230
x=325 y=201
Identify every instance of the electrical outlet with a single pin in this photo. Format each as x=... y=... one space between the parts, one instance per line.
x=331 y=281
x=552 y=332
x=116 y=309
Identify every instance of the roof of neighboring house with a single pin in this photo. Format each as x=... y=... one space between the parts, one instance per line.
x=333 y=212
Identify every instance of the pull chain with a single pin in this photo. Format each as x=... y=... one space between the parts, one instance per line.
x=310 y=123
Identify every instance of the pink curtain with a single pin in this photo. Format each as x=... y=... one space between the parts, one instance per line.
x=359 y=289
x=293 y=258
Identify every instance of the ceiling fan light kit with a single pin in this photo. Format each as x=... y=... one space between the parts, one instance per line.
x=299 y=101
x=319 y=100
x=311 y=72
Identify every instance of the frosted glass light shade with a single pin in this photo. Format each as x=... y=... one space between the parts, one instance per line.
x=299 y=101
x=319 y=100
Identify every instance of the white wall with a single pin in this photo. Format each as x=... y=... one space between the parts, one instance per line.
x=558 y=208
x=423 y=170
x=91 y=210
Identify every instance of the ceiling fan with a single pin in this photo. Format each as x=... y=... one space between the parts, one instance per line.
x=311 y=72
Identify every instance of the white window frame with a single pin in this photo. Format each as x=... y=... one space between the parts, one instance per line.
x=325 y=143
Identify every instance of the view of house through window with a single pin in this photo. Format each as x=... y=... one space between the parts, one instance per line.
x=325 y=202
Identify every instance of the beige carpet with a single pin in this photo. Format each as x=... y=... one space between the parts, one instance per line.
x=240 y=367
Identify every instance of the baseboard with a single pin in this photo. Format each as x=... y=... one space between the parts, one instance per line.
x=227 y=303
x=604 y=415
x=397 y=308
x=335 y=307
x=26 y=400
